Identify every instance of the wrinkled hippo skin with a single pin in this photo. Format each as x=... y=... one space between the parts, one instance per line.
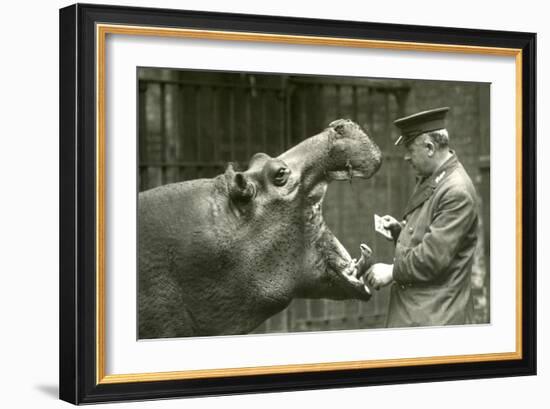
x=220 y=256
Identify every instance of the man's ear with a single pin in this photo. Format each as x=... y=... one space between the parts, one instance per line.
x=431 y=147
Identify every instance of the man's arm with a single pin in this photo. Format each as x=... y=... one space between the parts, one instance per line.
x=453 y=219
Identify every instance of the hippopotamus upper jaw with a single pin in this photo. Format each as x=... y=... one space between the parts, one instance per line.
x=341 y=152
x=353 y=153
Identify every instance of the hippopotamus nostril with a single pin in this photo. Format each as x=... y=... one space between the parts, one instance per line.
x=242 y=188
x=343 y=127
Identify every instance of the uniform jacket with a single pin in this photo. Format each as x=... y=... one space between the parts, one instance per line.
x=435 y=251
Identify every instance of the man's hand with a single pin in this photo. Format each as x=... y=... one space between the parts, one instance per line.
x=379 y=275
x=392 y=225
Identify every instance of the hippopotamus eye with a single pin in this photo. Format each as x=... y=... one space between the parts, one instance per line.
x=281 y=176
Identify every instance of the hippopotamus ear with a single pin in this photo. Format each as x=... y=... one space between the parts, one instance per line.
x=240 y=188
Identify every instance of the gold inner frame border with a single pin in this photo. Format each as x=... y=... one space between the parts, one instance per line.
x=102 y=30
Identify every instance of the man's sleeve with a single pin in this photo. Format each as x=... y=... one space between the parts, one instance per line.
x=453 y=219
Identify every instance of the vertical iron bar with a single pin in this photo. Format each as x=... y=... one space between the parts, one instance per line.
x=232 y=122
x=370 y=110
x=322 y=120
x=263 y=125
x=387 y=115
x=248 y=120
x=171 y=130
x=142 y=135
x=181 y=131
x=198 y=127
x=287 y=115
x=388 y=120
x=355 y=103
x=303 y=113
x=214 y=124
x=338 y=101
x=163 y=137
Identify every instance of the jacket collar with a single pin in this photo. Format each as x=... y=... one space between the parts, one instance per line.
x=425 y=188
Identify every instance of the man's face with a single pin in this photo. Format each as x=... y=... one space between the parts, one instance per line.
x=418 y=154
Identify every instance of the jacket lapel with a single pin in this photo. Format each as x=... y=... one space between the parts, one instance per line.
x=425 y=189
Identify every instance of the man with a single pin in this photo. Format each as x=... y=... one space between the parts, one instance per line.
x=435 y=243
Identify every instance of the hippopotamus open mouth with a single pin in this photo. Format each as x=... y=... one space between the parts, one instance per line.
x=341 y=152
x=284 y=196
x=344 y=273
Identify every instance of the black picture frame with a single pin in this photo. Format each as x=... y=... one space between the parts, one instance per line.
x=78 y=198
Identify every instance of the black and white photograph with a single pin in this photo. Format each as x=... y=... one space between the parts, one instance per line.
x=284 y=203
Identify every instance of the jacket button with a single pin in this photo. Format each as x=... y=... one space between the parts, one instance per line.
x=410 y=229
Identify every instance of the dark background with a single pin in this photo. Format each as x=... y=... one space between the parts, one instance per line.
x=191 y=123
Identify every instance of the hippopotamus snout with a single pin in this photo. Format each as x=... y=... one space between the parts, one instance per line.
x=341 y=152
x=353 y=153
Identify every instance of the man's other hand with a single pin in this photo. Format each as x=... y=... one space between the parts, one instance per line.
x=390 y=223
x=379 y=275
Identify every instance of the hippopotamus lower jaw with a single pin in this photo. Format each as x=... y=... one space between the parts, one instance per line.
x=338 y=275
x=348 y=271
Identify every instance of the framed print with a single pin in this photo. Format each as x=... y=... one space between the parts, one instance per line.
x=257 y=203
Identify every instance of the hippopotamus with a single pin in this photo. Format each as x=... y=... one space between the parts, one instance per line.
x=219 y=256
